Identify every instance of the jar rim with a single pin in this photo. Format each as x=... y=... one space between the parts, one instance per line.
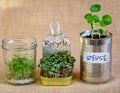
x=11 y=40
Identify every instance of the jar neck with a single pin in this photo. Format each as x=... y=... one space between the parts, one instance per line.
x=55 y=28
x=55 y=32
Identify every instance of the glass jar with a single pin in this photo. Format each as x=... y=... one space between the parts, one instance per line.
x=56 y=41
x=20 y=58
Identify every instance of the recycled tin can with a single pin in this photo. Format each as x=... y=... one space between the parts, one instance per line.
x=95 y=58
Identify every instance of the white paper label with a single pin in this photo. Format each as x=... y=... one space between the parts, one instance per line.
x=97 y=57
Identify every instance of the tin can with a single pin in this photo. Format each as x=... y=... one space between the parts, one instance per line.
x=95 y=58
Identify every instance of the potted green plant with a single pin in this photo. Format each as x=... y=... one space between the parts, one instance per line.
x=56 y=69
x=96 y=48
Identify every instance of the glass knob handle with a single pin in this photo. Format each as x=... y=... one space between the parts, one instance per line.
x=55 y=27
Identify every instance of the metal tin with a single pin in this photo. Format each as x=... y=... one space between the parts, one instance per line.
x=56 y=81
x=95 y=58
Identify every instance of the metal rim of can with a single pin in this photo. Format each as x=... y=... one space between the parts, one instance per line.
x=93 y=41
x=88 y=32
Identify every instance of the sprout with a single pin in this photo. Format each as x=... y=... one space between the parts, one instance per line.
x=95 y=19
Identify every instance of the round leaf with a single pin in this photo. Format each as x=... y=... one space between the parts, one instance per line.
x=107 y=19
x=89 y=18
x=100 y=31
x=96 y=18
x=95 y=8
x=102 y=24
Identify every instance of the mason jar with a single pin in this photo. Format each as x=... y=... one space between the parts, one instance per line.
x=20 y=58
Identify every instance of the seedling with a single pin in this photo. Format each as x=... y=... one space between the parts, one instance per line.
x=96 y=22
x=57 y=65
x=20 y=68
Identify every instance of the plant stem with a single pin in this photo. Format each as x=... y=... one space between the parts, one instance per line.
x=106 y=31
x=93 y=26
x=92 y=30
x=99 y=28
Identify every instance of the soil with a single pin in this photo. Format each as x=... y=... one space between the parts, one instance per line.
x=96 y=36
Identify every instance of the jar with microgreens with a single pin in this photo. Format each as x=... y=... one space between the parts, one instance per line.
x=20 y=58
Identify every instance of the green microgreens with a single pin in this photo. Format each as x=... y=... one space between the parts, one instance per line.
x=20 y=68
x=57 y=65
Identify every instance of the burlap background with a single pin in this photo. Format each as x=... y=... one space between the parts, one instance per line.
x=32 y=18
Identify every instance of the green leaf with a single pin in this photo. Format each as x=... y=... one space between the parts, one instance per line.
x=100 y=31
x=44 y=67
x=95 y=8
x=52 y=68
x=51 y=73
x=96 y=18
x=107 y=19
x=102 y=24
x=89 y=18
